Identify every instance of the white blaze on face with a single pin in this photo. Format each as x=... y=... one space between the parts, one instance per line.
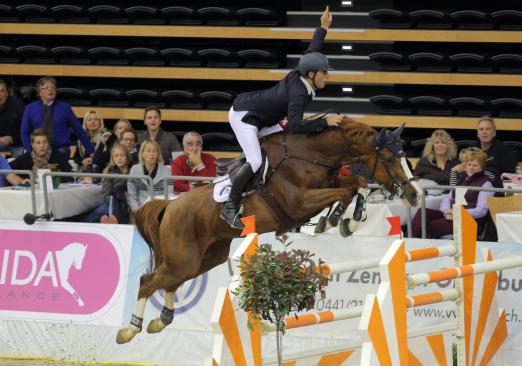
x=409 y=175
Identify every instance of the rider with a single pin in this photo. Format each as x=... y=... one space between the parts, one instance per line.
x=257 y=114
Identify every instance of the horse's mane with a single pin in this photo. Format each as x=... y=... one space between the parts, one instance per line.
x=357 y=132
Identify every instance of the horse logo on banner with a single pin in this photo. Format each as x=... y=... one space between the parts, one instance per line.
x=71 y=255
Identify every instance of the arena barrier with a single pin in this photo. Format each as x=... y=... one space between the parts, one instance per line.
x=480 y=328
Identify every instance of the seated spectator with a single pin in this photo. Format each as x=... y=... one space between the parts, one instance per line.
x=193 y=162
x=151 y=163
x=129 y=139
x=11 y=178
x=438 y=157
x=168 y=143
x=440 y=222
x=500 y=158
x=93 y=125
x=11 y=112
x=55 y=117
x=41 y=157
x=102 y=155
x=114 y=203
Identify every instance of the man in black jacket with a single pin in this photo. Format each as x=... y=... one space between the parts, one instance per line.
x=257 y=114
x=11 y=112
x=500 y=157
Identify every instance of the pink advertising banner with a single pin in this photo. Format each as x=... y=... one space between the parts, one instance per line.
x=64 y=272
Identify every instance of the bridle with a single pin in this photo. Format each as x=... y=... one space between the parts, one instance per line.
x=398 y=185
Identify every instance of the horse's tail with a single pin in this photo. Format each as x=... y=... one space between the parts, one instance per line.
x=148 y=219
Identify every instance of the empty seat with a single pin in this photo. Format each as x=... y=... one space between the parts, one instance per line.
x=218 y=57
x=464 y=144
x=181 y=99
x=431 y=105
x=7 y=55
x=391 y=104
x=470 y=62
x=181 y=57
x=257 y=58
x=218 y=15
x=107 y=14
x=70 y=55
x=32 y=54
x=142 y=98
x=8 y=14
x=391 y=18
x=516 y=147
x=429 y=61
x=508 y=107
x=470 y=106
x=217 y=99
x=69 y=13
x=431 y=19
x=471 y=19
x=390 y=61
x=34 y=13
x=142 y=14
x=507 y=19
x=74 y=96
x=417 y=147
x=105 y=97
x=144 y=56
x=259 y=17
x=219 y=141
x=508 y=62
x=181 y=15
x=107 y=56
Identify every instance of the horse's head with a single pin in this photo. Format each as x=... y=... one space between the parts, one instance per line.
x=78 y=252
x=389 y=167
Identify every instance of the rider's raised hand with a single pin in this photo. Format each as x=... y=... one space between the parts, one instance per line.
x=326 y=18
x=334 y=120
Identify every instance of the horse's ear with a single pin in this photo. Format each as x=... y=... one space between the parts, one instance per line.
x=380 y=139
x=397 y=132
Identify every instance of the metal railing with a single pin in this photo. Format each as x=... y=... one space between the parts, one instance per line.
x=171 y=178
x=452 y=188
x=31 y=177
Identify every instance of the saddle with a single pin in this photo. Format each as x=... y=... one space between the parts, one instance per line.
x=230 y=166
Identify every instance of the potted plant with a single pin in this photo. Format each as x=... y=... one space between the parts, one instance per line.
x=274 y=284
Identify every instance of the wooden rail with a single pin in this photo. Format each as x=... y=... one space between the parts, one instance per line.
x=408 y=35
x=355 y=77
x=212 y=116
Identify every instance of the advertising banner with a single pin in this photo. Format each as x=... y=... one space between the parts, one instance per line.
x=64 y=273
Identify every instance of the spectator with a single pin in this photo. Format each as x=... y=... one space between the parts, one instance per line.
x=103 y=150
x=151 y=163
x=93 y=125
x=55 y=117
x=11 y=112
x=11 y=178
x=129 y=139
x=167 y=142
x=114 y=190
x=440 y=222
x=500 y=158
x=41 y=156
x=438 y=157
x=193 y=162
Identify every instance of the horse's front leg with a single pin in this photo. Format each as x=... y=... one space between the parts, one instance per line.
x=357 y=212
x=317 y=199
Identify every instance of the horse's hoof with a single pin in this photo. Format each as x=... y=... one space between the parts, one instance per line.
x=320 y=227
x=126 y=334
x=155 y=326
x=345 y=228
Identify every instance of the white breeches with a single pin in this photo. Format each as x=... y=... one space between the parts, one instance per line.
x=247 y=136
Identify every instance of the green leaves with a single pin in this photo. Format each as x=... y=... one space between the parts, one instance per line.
x=274 y=284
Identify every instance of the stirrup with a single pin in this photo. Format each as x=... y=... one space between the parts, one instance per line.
x=235 y=223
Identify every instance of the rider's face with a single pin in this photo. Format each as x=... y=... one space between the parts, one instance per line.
x=321 y=78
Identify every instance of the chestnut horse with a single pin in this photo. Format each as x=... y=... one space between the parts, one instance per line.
x=187 y=237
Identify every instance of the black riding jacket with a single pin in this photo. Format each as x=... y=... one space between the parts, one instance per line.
x=288 y=98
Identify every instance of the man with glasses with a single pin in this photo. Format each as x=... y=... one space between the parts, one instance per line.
x=55 y=117
x=193 y=162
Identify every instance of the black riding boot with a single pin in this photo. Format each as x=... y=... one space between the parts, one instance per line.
x=230 y=210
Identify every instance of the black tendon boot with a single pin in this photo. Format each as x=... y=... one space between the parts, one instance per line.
x=230 y=210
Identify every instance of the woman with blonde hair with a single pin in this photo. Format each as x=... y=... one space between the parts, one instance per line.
x=438 y=158
x=151 y=164
x=102 y=155
x=93 y=125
